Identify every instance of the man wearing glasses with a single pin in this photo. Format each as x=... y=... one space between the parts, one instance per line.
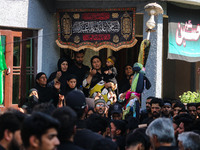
x=100 y=106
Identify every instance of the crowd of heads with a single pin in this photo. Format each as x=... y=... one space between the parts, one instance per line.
x=68 y=111
x=48 y=127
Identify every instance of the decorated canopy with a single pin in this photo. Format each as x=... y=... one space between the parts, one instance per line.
x=96 y=28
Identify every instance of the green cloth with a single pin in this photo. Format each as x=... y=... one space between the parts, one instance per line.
x=2 y=67
x=2 y=58
x=1 y=87
x=136 y=76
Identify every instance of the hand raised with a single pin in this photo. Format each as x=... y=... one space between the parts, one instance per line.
x=58 y=75
x=109 y=72
x=57 y=85
x=93 y=72
x=106 y=72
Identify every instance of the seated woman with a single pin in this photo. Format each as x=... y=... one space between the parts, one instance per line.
x=31 y=101
x=46 y=94
x=60 y=75
x=94 y=80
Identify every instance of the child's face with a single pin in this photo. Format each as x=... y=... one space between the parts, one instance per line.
x=72 y=83
x=108 y=63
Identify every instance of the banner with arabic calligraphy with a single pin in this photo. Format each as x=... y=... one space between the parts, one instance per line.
x=96 y=28
x=184 y=33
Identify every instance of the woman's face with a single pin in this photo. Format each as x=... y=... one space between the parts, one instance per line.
x=128 y=70
x=72 y=83
x=42 y=81
x=131 y=79
x=64 y=66
x=96 y=63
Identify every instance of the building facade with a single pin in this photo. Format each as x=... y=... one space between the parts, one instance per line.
x=29 y=29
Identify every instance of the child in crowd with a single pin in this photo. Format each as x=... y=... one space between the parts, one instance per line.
x=109 y=75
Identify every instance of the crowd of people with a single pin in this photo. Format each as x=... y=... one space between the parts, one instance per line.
x=79 y=108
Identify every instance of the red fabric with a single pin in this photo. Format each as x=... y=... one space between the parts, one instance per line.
x=128 y=95
x=96 y=37
x=96 y=16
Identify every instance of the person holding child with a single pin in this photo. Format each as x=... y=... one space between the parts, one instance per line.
x=109 y=75
x=94 y=80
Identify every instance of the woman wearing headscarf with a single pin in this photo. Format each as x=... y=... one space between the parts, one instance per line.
x=124 y=84
x=31 y=101
x=94 y=80
x=46 y=94
x=71 y=84
x=60 y=75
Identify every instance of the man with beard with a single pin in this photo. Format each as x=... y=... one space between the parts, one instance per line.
x=198 y=109
x=147 y=112
x=10 y=138
x=191 y=107
x=78 y=68
x=167 y=109
x=100 y=107
x=156 y=105
x=39 y=132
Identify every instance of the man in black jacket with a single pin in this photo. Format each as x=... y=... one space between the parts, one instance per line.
x=78 y=68
x=9 y=130
x=84 y=138
x=67 y=130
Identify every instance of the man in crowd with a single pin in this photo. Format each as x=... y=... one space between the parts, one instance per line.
x=185 y=123
x=177 y=107
x=98 y=124
x=67 y=130
x=198 y=109
x=10 y=138
x=78 y=68
x=100 y=106
x=116 y=111
x=117 y=131
x=167 y=109
x=156 y=105
x=147 y=112
x=161 y=133
x=189 y=141
x=137 y=140
x=191 y=107
x=84 y=138
x=39 y=132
